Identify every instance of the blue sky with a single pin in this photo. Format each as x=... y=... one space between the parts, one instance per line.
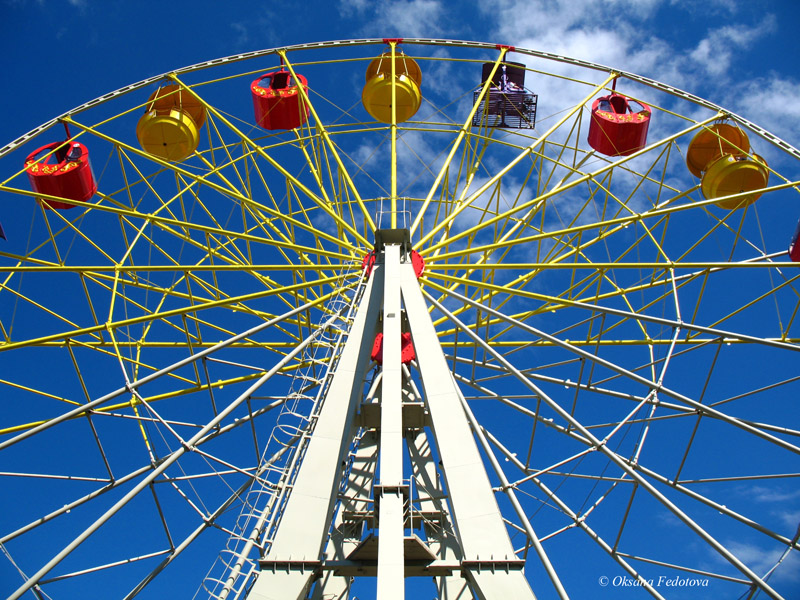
x=738 y=55
x=743 y=56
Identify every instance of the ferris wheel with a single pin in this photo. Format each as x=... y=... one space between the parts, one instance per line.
x=399 y=318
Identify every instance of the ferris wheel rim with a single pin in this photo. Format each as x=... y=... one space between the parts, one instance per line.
x=724 y=113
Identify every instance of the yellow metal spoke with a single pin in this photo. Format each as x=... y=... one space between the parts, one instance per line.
x=326 y=137
x=275 y=164
x=202 y=180
x=463 y=132
x=546 y=195
x=502 y=171
x=232 y=301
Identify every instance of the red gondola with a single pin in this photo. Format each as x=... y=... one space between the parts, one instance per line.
x=616 y=129
x=794 y=247
x=277 y=100
x=64 y=171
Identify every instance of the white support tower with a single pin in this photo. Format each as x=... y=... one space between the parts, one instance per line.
x=370 y=498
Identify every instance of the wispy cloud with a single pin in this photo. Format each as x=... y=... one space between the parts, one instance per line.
x=258 y=30
x=764 y=494
x=593 y=31
x=717 y=50
x=762 y=561
x=409 y=18
x=241 y=34
x=770 y=102
x=790 y=518
x=638 y=43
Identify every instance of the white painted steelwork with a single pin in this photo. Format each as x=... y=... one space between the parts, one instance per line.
x=465 y=525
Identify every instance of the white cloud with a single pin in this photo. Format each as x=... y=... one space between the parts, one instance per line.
x=416 y=154
x=594 y=31
x=520 y=18
x=730 y=6
x=629 y=35
x=716 y=52
x=349 y=7
x=762 y=561
x=757 y=558
x=242 y=36
x=439 y=75
x=789 y=518
x=770 y=102
x=409 y=18
x=764 y=494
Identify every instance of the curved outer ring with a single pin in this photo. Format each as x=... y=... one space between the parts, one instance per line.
x=411 y=41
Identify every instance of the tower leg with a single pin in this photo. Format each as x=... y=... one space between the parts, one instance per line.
x=350 y=518
x=438 y=525
x=294 y=556
x=488 y=559
x=391 y=563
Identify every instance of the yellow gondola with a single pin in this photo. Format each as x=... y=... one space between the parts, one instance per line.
x=169 y=129
x=735 y=174
x=713 y=142
x=377 y=93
